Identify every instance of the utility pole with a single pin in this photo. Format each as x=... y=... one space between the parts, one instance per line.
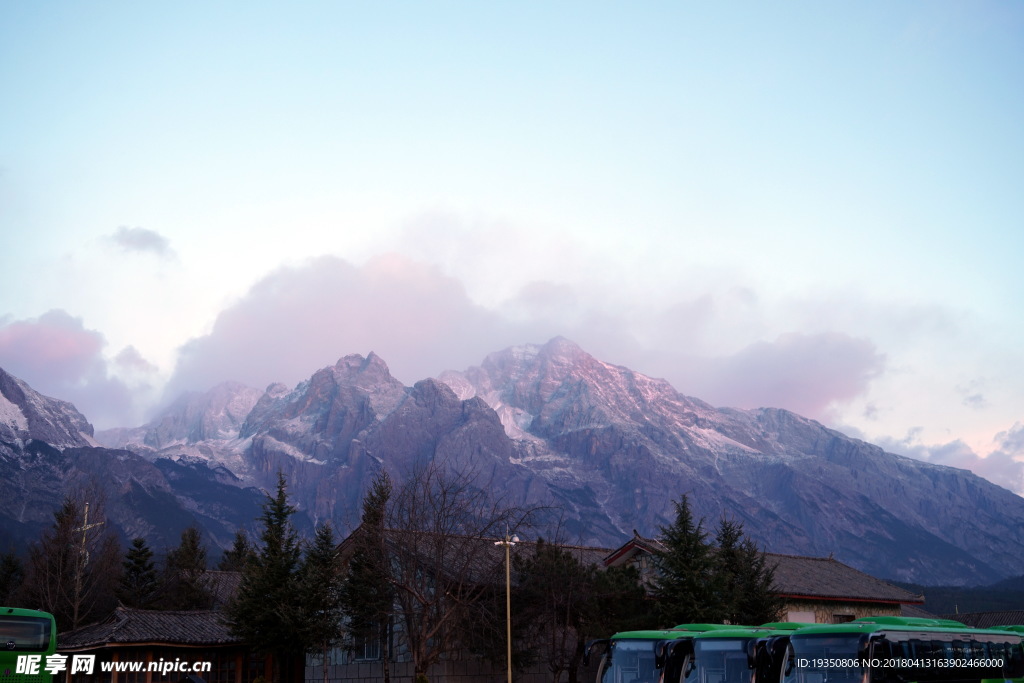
x=83 y=560
x=508 y=543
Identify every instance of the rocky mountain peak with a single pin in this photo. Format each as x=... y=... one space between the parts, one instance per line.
x=368 y=371
x=561 y=385
x=25 y=415
x=194 y=417
x=276 y=390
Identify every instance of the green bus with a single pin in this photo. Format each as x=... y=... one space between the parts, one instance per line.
x=738 y=654
x=898 y=650
x=640 y=656
x=1020 y=677
x=25 y=632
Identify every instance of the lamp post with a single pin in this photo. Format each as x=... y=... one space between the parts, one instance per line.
x=508 y=543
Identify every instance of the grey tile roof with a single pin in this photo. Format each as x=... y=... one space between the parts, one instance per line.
x=917 y=612
x=127 y=626
x=223 y=585
x=989 y=619
x=825 y=577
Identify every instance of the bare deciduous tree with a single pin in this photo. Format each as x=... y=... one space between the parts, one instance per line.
x=442 y=525
x=73 y=570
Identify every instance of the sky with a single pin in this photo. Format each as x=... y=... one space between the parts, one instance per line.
x=812 y=206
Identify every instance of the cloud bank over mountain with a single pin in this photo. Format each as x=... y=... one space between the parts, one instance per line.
x=424 y=322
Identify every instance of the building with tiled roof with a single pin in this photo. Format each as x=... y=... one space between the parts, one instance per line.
x=140 y=627
x=816 y=589
x=155 y=639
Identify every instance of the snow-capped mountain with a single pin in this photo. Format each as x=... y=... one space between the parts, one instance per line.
x=216 y=415
x=47 y=452
x=635 y=443
x=25 y=414
x=609 y=449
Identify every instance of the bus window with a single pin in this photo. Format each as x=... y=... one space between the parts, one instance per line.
x=24 y=634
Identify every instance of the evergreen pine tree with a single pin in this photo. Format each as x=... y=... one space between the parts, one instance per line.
x=727 y=560
x=747 y=576
x=367 y=596
x=320 y=583
x=185 y=583
x=685 y=572
x=241 y=552
x=266 y=610
x=139 y=584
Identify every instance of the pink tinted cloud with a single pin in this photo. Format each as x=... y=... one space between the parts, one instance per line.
x=299 y=319
x=54 y=348
x=60 y=358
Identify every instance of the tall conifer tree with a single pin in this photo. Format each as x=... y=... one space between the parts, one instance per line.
x=139 y=582
x=186 y=586
x=745 y=576
x=241 y=551
x=266 y=610
x=685 y=572
x=367 y=593
x=320 y=585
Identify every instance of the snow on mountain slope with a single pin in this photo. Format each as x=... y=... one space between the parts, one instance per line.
x=606 y=447
x=25 y=415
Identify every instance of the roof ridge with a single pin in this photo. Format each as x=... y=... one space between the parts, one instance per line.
x=120 y=619
x=809 y=557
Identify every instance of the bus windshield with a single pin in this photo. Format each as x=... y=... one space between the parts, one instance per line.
x=720 y=660
x=24 y=634
x=824 y=659
x=630 y=661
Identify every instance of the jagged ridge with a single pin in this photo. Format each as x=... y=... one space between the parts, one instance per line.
x=609 y=447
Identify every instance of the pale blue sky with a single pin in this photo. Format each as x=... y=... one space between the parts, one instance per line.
x=728 y=195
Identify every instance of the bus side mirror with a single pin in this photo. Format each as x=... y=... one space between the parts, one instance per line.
x=766 y=654
x=588 y=648
x=678 y=659
x=661 y=650
x=864 y=647
x=788 y=659
x=1014 y=667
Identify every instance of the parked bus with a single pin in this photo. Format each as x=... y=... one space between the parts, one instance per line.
x=897 y=649
x=738 y=654
x=25 y=632
x=640 y=656
x=1020 y=677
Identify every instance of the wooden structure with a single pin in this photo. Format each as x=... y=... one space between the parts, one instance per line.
x=163 y=644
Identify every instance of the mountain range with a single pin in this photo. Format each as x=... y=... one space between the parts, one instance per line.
x=608 y=448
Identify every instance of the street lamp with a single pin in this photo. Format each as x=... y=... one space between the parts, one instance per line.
x=508 y=543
